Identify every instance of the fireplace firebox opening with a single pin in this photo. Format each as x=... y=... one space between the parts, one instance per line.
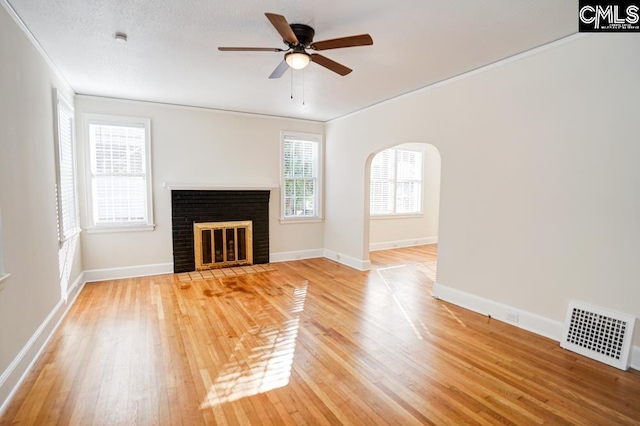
x=222 y=244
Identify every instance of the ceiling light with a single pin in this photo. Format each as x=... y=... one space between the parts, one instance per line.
x=297 y=60
x=120 y=37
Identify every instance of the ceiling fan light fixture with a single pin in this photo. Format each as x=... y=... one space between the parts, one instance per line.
x=297 y=60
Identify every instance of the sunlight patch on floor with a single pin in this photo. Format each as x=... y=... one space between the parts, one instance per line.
x=454 y=316
x=389 y=283
x=261 y=360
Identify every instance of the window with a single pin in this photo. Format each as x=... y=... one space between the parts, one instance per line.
x=301 y=176
x=396 y=182
x=119 y=172
x=66 y=178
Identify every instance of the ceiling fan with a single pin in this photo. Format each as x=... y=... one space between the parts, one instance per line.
x=298 y=38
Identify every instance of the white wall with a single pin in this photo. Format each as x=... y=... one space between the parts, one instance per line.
x=539 y=194
x=197 y=146
x=388 y=231
x=31 y=299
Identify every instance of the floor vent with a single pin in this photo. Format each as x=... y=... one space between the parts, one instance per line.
x=597 y=333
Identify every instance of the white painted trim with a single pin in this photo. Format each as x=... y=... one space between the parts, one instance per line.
x=89 y=119
x=219 y=186
x=352 y=262
x=386 y=245
x=471 y=73
x=393 y=216
x=526 y=320
x=64 y=107
x=34 y=347
x=197 y=108
x=286 y=256
x=106 y=274
x=106 y=229
x=20 y=23
x=317 y=139
x=298 y=220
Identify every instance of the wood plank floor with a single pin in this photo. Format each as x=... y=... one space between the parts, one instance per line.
x=310 y=342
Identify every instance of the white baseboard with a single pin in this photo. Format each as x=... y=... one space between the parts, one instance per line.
x=22 y=364
x=386 y=245
x=127 y=272
x=526 y=320
x=295 y=255
x=352 y=262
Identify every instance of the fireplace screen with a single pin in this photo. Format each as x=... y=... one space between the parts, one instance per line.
x=220 y=244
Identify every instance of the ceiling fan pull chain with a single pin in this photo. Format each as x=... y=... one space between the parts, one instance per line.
x=303 y=88
x=291 y=73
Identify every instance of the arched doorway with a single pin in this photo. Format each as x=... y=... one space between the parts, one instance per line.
x=402 y=209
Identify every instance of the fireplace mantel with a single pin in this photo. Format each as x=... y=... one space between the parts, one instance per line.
x=190 y=186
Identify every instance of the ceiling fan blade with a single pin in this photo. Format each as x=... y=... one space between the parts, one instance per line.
x=280 y=70
x=250 y=49
x=283 y=27
x=330 y=64
x=337 y=43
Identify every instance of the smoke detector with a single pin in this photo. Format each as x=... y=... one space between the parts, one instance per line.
x=120 y=37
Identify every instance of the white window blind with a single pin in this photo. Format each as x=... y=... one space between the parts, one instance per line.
x=67 y=187
x=396 y=182
x=120 y=173
x=301 y=176
x=383 y=174
x=408 y=181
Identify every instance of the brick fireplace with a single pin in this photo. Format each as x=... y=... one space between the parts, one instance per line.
x=203 y=206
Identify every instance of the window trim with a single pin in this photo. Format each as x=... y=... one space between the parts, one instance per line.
x=311 y=137
x=62 y=104
x=117 y=120
x=394 y=214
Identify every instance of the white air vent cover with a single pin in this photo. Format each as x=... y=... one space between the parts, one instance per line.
x=598 y=333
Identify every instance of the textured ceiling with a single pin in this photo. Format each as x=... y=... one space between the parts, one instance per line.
x=172 y=55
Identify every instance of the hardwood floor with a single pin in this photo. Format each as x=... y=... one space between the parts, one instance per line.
x=310 y=342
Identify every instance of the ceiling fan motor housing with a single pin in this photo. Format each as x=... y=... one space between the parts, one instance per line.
x=304 y=34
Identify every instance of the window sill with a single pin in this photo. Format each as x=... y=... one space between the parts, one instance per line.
x=294 y=220
x=120 y=228
x=396 y=216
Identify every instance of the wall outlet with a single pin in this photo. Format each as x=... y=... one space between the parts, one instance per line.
x=511 y=316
